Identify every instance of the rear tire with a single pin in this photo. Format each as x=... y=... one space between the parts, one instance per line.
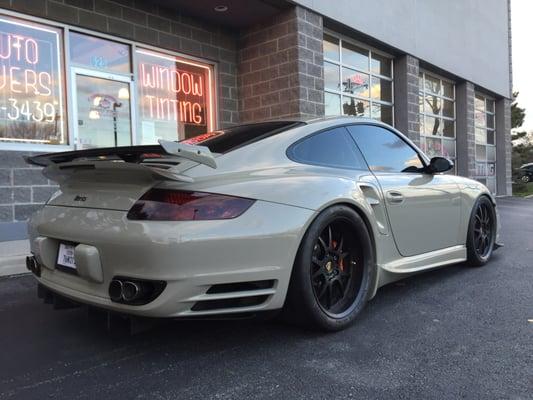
x=481 y=232
x=333 y=274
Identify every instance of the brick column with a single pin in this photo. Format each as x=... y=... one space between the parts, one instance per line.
x=504 y=147
x=465 y=129
x=281 y=67
x=406 y=112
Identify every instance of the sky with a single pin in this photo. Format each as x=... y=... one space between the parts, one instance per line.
x=522 y=34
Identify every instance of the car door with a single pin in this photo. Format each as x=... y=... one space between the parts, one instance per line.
x=424 y=209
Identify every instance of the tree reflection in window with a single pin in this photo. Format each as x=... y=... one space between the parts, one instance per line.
x=437 y=116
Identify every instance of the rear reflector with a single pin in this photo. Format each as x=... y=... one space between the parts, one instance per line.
x=177 y=205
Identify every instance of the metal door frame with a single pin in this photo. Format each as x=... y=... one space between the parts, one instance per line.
x=73 y=100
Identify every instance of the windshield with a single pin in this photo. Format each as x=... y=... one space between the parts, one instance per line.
x=224 y=141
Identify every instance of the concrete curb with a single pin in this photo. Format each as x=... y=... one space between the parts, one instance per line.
x=13 y=265
x=13 y=257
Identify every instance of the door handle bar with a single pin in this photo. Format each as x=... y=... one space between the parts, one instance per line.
x=394 y=197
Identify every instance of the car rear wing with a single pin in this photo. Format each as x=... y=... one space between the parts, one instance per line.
x=131 y=154
x=161 y=160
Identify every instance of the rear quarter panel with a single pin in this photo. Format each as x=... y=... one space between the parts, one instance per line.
x=307 y=187
x=471 y=190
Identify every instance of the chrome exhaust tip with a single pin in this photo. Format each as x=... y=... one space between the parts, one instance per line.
x=115 y=290
x=131 y=291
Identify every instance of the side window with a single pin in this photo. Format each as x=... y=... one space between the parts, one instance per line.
x=385 y=151
x=332 y=148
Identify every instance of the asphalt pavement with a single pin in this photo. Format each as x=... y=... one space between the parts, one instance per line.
x=457 y=332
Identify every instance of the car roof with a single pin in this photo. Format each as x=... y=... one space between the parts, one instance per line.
x=326 y=122
x=340 y=119
x=343 y=119
x=315 y=125
x=320 y=123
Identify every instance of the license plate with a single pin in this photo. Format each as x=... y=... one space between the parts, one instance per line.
x=65 y=255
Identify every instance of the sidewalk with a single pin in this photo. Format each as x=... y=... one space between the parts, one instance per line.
x=13 y=257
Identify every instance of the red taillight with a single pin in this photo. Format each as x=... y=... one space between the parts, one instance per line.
x=177 y=205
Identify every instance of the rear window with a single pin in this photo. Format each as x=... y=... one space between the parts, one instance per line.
x=224 y=141
x=332 y=148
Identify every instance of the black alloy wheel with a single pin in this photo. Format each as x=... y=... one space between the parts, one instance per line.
x=334 y=273
x=481 y=232
x=336 y=269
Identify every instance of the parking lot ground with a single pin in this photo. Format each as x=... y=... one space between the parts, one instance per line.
x=456 y=332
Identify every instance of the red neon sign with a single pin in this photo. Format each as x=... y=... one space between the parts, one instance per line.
x=171 y=80
x=174 y=90
x=357 y=79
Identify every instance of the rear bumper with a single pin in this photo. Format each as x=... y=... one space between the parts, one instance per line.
x=190 y=257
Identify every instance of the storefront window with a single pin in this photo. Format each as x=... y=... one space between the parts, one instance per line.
x=31 y=84
x=175 y=97
x=100 y=54
x=437 y=116
x=484 y=117
x=115 y=99
x=358 y=80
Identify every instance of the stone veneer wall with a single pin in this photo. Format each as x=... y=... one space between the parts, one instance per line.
x=406 y=108
x=465 y=129
x=281 y=67
x=504 y=147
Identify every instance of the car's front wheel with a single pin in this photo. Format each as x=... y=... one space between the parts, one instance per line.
x=525 y=178
x=334 y=271
x=481 y=232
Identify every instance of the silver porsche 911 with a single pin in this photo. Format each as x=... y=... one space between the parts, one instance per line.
x=310 y=218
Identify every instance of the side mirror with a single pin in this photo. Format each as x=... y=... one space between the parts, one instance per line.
x=439 y=164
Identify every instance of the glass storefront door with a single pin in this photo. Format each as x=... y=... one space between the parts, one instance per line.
x=102 y=110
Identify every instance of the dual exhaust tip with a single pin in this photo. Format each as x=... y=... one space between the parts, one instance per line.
x=133 y=291
x=33 y=266
x=125 y=291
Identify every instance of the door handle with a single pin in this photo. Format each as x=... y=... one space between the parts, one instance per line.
x=394 y=197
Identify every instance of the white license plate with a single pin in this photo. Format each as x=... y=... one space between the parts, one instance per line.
x=65 y=256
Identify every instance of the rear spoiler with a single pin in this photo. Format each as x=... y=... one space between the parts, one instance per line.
x=130 y=154
x=200 y=154
x=160 y=160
